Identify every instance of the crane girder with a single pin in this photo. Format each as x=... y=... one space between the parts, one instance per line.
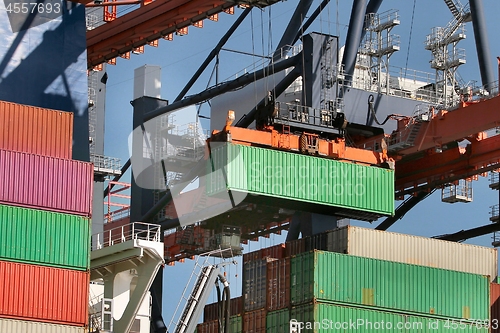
x=146 y=24
x=449 y=126
x=435 y=169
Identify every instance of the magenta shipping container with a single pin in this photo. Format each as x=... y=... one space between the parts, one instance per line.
x=47 y=183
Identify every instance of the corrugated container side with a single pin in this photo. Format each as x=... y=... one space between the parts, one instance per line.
x=288 y=176
x=208 y=327
x=41 y=293
x=236 y=306
x=278 y=321
x=46 y=238
x=316 y=242
x=47 y=183
x=212 y=326
x=417 y=250
x=278 y=284
x=254 y=321
x=35 y=130
x=373 y=283
x=295 y=247
x=337 y=318
x=254 y=284
x=274 y=252
x=236 y=324
x=252 y=256
x=495 y=307
x=22 y=326
x=211 y=311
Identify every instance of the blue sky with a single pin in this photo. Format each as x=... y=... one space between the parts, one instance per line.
x=180 y=58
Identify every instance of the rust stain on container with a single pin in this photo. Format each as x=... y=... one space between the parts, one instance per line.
x=278 y=284
x=255 y=321
x=47 y=183
x=36 y=130
x=40 y=293
x=495 y=306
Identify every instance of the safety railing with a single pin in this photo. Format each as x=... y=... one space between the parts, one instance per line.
x=495 y=213
x=133 y=231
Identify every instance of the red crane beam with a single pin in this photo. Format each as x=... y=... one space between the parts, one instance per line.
x=449 y=126
x=450 y=165
x=145 y=25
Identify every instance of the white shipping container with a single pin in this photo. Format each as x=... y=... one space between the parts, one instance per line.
x=391 y=246
x=21 y=326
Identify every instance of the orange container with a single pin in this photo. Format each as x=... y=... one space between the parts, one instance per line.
x=278 y=284
x=255 y=321
x=36 y=130
x=495 y=306
x=40 y=293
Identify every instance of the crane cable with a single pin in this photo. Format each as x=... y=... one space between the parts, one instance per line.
x=409 y=39
x=371 y=109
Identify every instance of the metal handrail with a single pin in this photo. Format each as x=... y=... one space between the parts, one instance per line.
x=133 y=231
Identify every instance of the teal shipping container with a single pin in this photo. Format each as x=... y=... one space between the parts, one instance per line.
x=385 y=285
x=278 y=321
x=44 y=238
x=302 y=182
x=326 y=318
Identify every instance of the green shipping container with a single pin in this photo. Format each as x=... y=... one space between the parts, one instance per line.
x=372 y=283
x=278 y=321
x=45 y=238
x=326 y=318
x=236 y=324
x=302 y=181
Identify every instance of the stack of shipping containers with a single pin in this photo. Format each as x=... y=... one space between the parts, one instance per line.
x=358 y=279
x=45 y=207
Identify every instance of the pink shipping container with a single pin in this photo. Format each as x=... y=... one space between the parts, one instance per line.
x=36 y=130
x=278 y=284
x=47 y=183
x=41 y=293
x=495 y=306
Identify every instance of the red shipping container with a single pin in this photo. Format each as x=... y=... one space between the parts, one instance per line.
x=252 y=256
x=208 y=327
x=255 y=321
x=495 y=306
x=211 y=311
x=278 y=284
x=47 y=183
x=36 y=130
x=295 y=247
x=274 y=252
x=40 y=293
